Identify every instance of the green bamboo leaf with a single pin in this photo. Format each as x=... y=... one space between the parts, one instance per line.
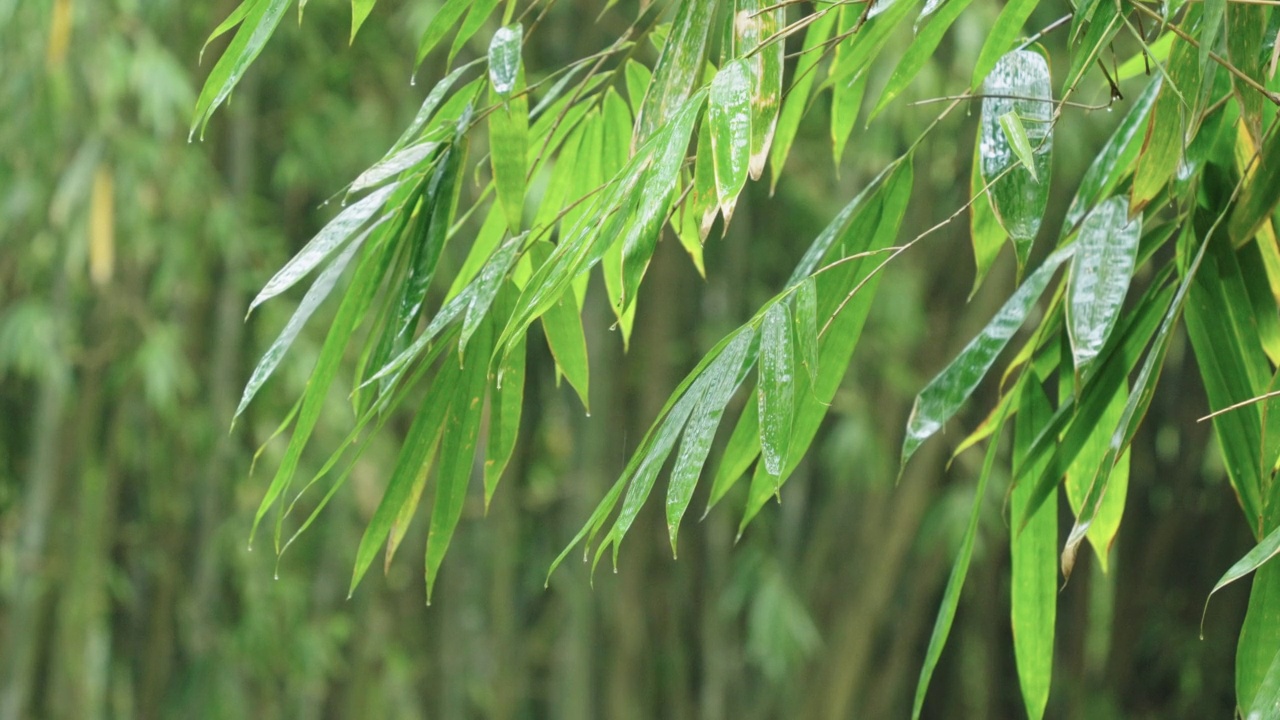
x=615 y=146
x=656 y=194
x=330 y=237
x=419 y=442
x=1261 y=553
x=862 y=44
x=946 y=393
x=458 y=452
x=320 y=290
x=258 y=23
x=1106 y=255
x=1018 y=83
x=427 y=111
x=920 y=51
x=1261 y=194
x=505 y=407
x=637 y=79
x=1034 y=568
x=955 y=582
x=1016 y=135
x=445 y=19
x=1114 y=161
x=508 y=124
x=985 y=232
x=777 y=366
x=1247 y=36
x=504 y=59
x=236 y=17
x=678 y=68
x=1000 y=39
x=1087 y=464
x=1256 y=648
x=360 y=10
x=845 y=294
x=846 y=103
x=1104 y=22
x=407 y=159
x=1165 y=138
x=701 y=203
x=806 y=317
x=478 y=13
x=1210 y=27
x=722 y=377
x=562 y=324
x=487 y=286
x=755 y=22
x=729 y=115
x=796 y=101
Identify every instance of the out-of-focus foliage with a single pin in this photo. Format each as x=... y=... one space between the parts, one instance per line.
x=448 y=299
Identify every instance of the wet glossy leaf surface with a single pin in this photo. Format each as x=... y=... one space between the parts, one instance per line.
x=1106 y=253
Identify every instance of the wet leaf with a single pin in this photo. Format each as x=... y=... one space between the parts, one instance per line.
x=1261 y=194
x=722 y=378
x=1016 y=135
x=1018 y=83
x=320 y=290
x=403 y=160
x=921 y=50
x=506 y=404
x=946 y=393
x=776 y=389
x=755 y=22
x=796 y=101
x=1106 y=254
x=458 y=452
x=324 y=243
x=1000 y=39
x=729 y=115
x=562 y=324
x=487 y=286
x=504 y=59
x=258 y=23
x=478 y=13
x=678 y=68
x=985 y=231
x=445 y=19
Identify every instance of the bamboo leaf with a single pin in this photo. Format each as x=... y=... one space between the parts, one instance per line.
x=678 y=68
x=1106 y=254
x=1261 y=553
x=320 y=290
x=946 y=393
x=457 y=452
x=777 y=365
x=487 y=286
x=360 y=10
x=1034 y=569
x=955 y=582
x=1018 y=83
x=985 y=232
x=396 y=164
x=796 y=101
x=504 y=59
x=920 y=51
x=755 y=22
x=1016 y=135
x=729 y=115
x=1266 y=703
x=1000 y=38
x=1114 y=161
x=508 y=124
x=445 y=19
x=506 y=404
x=1261 y=194
x=722 y=378
x=1165 y=139
x=479 y=12
x=258 y=23
x=324 y=243
x=1104 y=22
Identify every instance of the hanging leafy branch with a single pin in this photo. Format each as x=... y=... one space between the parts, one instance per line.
x=1171 y=224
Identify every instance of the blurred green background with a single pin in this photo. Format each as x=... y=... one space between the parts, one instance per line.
x=127 y=260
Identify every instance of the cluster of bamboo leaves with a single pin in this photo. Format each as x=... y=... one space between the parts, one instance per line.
x=1172 y=223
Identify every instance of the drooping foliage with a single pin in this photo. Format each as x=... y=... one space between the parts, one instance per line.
x=1171 y=230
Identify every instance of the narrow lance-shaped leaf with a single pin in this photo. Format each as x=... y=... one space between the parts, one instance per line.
x=316 y=295
x=1266 y=703
x=508 y=124
x=955 y=582
x=946 y=393
x=457 y=452
x=1001 y=37
x=487 y=286
x=360 y=10
x=1019 y=83
x=777 y=364
x=325 y=242
x=394 y=165
x=797 y=98
x=754 y=24
x=1261 y=553
x=679 y=66
x=1016 y=135
x=723 y=377
x=1106 y=253
x=1033 y=575
x=985 y=232
x=921 y=50
x=441 y=23
x=505 y=407
x=729 y=114
x=478 y=13
x=1260 y=196
x=260 y=21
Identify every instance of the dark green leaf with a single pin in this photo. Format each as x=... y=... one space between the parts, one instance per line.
x=259 y=22
x=679 y=66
